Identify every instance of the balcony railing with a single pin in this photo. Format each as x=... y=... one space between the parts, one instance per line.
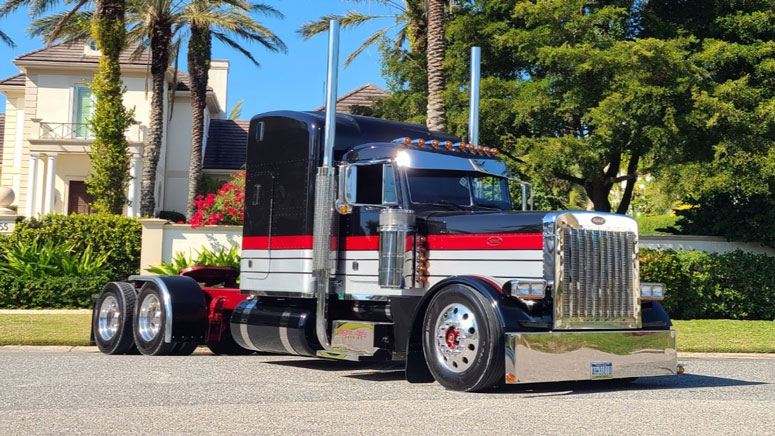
x=83 y=131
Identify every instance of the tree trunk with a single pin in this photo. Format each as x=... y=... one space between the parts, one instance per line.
x=598 y=190
x=161 y=35
x=109 y=174
x=435 y=115
x=632 y=169
x=417 y=27
x=199 y=52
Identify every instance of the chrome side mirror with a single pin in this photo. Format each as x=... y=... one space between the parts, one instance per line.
x=527 y=193
x=348 y=182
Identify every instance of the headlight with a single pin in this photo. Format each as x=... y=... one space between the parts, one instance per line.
x=526 y=289
x=652 y=291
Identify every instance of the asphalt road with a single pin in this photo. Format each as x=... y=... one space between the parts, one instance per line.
x=88 y=393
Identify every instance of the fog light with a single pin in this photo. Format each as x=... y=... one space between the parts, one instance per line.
x=526 y=289
x=652 y=291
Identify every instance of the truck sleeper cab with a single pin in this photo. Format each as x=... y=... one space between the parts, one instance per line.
x=428 y=264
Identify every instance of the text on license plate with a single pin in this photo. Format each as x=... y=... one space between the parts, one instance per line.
x=602 y=370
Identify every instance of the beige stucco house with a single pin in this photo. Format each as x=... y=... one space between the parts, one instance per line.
x=46 y=138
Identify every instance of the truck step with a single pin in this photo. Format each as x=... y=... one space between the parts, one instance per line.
x=354 y=357
x=359 y=340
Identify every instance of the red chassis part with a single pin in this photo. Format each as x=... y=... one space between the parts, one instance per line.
x=222 y=295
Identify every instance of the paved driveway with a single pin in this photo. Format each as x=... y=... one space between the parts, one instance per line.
x=82 y=392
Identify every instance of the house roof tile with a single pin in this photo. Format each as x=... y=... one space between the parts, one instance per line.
x=365 y=95
x=17 y=80
x=227 y=144
x=74 y=52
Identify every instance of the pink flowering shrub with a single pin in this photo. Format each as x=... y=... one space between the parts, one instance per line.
x=227 y=206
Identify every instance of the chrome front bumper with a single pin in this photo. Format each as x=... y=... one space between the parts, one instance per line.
x=566 y=356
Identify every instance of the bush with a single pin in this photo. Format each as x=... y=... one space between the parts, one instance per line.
x=227 y=206
x=49 y=291
x=205 y=257
x=116 y=236
x=172 y=216
x=656 y=224
x=700 y=285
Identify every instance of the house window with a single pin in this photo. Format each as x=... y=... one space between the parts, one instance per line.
x=83 y=110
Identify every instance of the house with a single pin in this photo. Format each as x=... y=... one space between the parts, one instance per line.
x=47 y=138
x=365 y=95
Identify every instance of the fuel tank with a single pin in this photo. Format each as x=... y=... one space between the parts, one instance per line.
x=261 y=326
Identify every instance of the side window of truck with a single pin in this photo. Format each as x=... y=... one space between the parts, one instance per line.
x=376 y=184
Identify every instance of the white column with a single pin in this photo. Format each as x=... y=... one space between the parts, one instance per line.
x=32 y=178
x=51 y=166
x=133 y=199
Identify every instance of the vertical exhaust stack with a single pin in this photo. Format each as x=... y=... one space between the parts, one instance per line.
x=473 y=110
x=325 y=192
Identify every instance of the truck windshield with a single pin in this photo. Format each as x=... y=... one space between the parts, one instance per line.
x=460 y=190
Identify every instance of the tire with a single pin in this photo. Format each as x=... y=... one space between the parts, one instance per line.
x=184 y=348
x=227 y=344
x=113 y=318
x=149 y=324
x=463 y=340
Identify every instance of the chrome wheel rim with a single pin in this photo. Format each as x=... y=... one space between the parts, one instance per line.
x=109 y=318
x=456 y=338
x=149 y=318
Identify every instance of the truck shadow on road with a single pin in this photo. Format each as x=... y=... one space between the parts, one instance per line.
x=394 y=371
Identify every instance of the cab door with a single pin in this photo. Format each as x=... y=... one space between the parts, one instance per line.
x=257 y=230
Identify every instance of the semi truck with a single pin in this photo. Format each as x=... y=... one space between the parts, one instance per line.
x=373 y=240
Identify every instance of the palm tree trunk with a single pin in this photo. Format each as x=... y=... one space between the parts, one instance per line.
x=199 y=52
x=161 y=35
x=436 y=118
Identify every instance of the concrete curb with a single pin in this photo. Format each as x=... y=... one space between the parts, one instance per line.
x=204 y=350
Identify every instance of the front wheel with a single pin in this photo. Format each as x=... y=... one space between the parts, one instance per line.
x=150 y=323
x=463 y=340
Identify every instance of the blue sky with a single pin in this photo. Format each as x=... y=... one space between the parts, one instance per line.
x=284 y=81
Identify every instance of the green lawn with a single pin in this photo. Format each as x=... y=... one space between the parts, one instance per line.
x=699 y=335
x=45 y=329
x=726 y=336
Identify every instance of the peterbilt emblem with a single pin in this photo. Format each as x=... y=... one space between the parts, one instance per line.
x=494 y=241
x=598 y=220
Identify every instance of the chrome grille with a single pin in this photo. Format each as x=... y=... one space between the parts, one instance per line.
x=597 y=279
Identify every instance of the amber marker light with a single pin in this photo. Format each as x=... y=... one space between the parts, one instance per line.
x=479 y=148
x=495 y=152
x=407 y=140
x=486 y=150
x=420 y=142
x=448 y=145
x=471 y=147
x=435 y=143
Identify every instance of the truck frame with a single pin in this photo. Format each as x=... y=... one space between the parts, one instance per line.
x=367 y=239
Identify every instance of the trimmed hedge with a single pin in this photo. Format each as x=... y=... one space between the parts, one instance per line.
x=114 y=234
x=57 y=292
x=736 y=285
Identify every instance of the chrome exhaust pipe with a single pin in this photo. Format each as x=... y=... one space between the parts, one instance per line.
x=325 y=196
x=473 y=110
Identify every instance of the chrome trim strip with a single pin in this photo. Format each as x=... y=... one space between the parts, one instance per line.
x=284 y=333
x=243 y=327
x=166 y=300
x=566 y=356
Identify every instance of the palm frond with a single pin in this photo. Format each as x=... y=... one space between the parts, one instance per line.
x=58 y=26
x=11 y=6
x=388 y=3
x=350 y=19
x=65 y=21
x=7 y=39
x=236 y=111
x=236 y=46
x=376 y=36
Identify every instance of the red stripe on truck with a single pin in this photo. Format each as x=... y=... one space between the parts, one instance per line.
x=491 y=241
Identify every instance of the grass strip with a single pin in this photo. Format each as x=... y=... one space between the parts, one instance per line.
x=707 y=335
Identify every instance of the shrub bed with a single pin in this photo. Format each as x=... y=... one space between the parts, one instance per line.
x=56 y=292
x=736 y=285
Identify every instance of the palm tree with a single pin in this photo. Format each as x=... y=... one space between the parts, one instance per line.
x=151 y=28
x=222 y=20
x=436 y=119
x=106 y=24
x=408 y=21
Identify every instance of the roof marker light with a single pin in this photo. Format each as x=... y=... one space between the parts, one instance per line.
x=435 y=143
x=420 y=142
x=448 y=145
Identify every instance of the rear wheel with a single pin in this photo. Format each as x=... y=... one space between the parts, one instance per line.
x=113 y=317
x=150 y=323
x=463 y=340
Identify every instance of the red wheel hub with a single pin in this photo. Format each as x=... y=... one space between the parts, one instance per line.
x=452 y=340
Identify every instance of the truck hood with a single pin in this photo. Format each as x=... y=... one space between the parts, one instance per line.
x=480 y=222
